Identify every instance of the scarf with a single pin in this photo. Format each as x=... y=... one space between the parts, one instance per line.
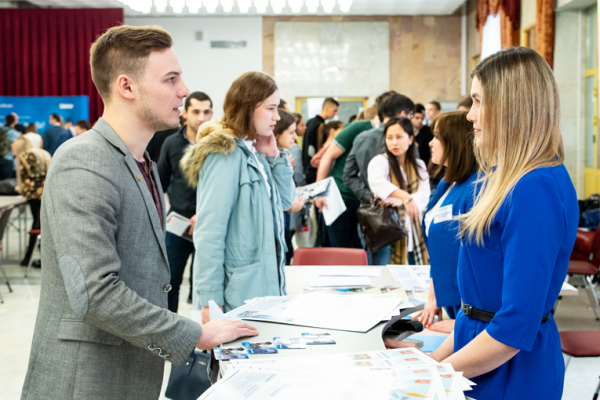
x=400 y=248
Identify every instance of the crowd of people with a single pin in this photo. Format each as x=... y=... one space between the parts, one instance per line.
x=482 y=193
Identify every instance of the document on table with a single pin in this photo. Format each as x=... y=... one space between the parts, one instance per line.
x=338 y=281
x=385 y=374
x=350 y=271
x=414 y=278
x=328 y=189
x=357 y=313
x=179 y=225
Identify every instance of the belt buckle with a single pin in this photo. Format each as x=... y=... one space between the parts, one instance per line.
x=468 y=310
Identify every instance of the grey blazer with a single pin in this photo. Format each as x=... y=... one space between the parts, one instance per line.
x=103 y=330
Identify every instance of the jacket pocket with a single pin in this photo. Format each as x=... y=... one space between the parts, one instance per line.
x=245 y=283
x=83 y=332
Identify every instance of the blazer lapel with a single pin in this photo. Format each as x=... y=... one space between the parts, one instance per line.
x=111 y=136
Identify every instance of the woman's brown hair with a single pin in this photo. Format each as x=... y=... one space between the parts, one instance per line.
x=242 y=98
x=31 y=129
x=455 y=133
x=286 y=120
x=325 y=130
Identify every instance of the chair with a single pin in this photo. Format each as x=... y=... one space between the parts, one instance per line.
x=583 y=244
x=4 y=219
x=587 y=270
x=329 y=256
x=36 y=248
x=581 y=344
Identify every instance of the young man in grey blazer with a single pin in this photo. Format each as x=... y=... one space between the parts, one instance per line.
x=103 y=330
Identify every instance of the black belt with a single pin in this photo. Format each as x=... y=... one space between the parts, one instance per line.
x=486 y=316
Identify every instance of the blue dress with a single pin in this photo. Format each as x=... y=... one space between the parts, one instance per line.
x=443 y=242
x=518 y=273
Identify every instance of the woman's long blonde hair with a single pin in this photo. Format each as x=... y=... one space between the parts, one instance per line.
x=520 y=115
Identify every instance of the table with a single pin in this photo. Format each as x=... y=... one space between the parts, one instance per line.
x=13 y=201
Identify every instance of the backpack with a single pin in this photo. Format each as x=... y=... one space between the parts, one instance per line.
x=4 y=140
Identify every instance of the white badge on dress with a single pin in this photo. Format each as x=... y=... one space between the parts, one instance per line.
x=443 y=214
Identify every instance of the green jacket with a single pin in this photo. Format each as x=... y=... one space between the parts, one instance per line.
x=239 y=232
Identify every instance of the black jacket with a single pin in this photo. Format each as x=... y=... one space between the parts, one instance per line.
x=157 y=142
x=309 y=147
x=423 y=138
x=182 y=197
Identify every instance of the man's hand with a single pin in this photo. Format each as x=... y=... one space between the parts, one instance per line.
x=320 y=203
x=206 y=314
x=192 y=224
x=297 y=205
x=220 y=331
x=266 y=145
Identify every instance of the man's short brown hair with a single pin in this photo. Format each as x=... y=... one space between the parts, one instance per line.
x=330 y=101
x=124 y=50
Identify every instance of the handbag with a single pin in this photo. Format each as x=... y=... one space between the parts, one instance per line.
x=190 y=379
x=380 y=225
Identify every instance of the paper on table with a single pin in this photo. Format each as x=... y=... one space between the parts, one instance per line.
x=328 y=189
x=215 y=310
x=350 y=271
x=412 y=278
x=568 y=286
x=343 y=281
x=179 y=225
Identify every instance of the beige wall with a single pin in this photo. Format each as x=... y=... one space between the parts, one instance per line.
x=473 y=49
x=424 y=52
x=527 y=14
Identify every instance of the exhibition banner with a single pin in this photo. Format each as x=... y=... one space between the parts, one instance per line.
x=37 y=109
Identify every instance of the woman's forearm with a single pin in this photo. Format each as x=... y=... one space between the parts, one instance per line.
x=445 y=350
x=401 y=194
x=483 y=354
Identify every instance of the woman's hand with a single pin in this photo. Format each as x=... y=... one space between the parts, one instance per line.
x=297 y=205
x=266 y=145
x=292 y=160
x=412 y=210
x=446 y=326
x=427 y=315
x=394 y=344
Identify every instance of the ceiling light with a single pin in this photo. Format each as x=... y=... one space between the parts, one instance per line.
x=328 y=5
x=211 y=5
x=244 y=5
x=312 y=5
x=277 y=6
x=160 y=5
x=296 y=5
x=261 y=5
x=345 y=5
x=177 y=5
x=227 y=5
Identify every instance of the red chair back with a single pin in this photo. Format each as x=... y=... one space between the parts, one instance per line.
x=329 y=256
x=596 y=249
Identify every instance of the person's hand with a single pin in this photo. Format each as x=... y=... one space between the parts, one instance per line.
x=292 y=160
x=394 y=344
x=192 y=224
x=411 y=209
x=297 y=205
x=446 y=326
x=266 y=145
x=206 y=314
x=320 y=203
x=427 y=315
x=219 y=331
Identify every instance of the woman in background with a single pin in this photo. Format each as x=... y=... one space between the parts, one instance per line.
x=32 y=166
x=33 y=136
x=401 y=180
x=327 y=132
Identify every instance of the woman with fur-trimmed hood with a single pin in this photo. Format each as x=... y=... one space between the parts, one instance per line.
x=244 y=183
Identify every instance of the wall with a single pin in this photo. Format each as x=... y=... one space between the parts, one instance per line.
x=472 y=37
x=527 y=14
x=568 y=68
x=212 y=70
x=424 y=55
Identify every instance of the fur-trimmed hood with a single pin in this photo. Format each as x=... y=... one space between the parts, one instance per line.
x=213 y=137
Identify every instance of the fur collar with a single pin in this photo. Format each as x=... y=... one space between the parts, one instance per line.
x=213 y=137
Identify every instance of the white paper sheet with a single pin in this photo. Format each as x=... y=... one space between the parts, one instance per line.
x=568 y=286
x=414 y=278
x=350 y=271
x=327 y=310
x=179 y=225
x=326 y=188
x=338 y=281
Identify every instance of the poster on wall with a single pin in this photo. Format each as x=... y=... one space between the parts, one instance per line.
x=37 y=109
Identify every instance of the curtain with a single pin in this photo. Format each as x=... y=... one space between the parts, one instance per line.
x=510 y=18
x=46 y=52
x=544 y=29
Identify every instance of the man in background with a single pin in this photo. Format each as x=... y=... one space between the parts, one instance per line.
x=423 y=134
x=18 y=126
x=77 y=129
x=197 y=110
x=309 y=141
x=51 y=135
x=432 y=110
x=7 y=136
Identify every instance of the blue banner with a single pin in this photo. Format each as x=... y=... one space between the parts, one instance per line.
x=37 y=109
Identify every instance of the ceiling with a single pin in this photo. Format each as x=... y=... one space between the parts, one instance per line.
x=357 y=7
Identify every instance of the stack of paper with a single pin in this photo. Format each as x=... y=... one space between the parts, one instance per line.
x=358 y=313
x=399 y=374
x=414 y=278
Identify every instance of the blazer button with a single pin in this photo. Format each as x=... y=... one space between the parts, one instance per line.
x=168 y=288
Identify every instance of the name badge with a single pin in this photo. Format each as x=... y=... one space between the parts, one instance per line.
x=443 y=214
